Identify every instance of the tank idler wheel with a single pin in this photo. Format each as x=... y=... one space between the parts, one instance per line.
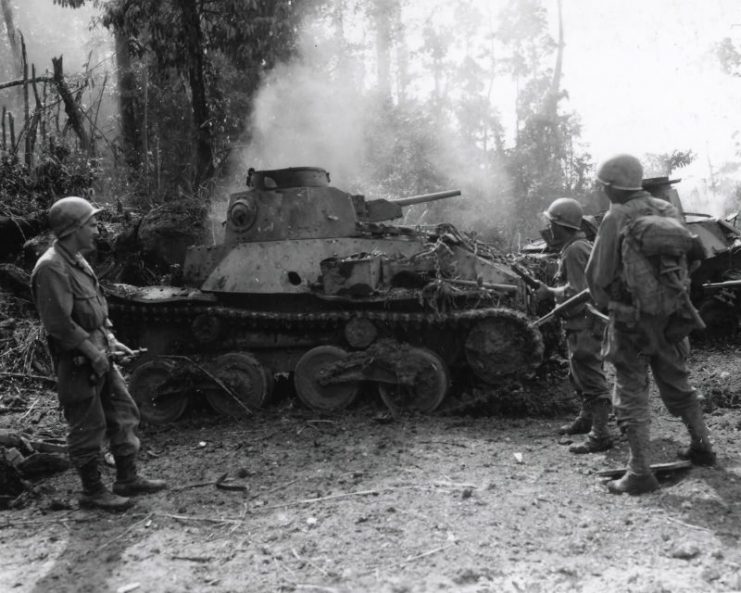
x=153 y=386
x=246 y=385
x=306 y=379
x=431 y=383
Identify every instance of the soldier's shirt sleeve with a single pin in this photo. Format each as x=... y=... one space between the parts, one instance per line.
x=54 y=302
x=602 y=267
x=575 y=264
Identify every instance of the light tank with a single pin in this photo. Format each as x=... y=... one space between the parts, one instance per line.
x=313 y=282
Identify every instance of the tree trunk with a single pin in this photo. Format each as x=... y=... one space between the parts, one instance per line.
x=555 y=90
x=194 y=35
x=12 y=36
x=127 y=102
x=383 y=47
x=70 y=106
x=402 y=54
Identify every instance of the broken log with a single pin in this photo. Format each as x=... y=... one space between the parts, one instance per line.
x=15 y=231
x=71 y=107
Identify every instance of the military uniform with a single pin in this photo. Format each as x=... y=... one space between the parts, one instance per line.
x=583 y=330
x=636 y=341
x=73 y=309
x=634 y=345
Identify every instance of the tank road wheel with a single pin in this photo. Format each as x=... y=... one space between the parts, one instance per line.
x=248 y=385
x=431 y=383
x=329 y=397
x=154 y=387
x=503 y=344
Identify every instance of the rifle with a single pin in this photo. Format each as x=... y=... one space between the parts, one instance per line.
x=530 y=282
x=574 y=301
x=720 y=285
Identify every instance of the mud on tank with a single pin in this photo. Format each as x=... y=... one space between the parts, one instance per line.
x=313 y=281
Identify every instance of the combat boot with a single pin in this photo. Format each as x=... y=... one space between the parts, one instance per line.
x=599 y=438
x=580 y=425
x=700 y=451
x=638 y=479
x=129 y=482
x=94 y=492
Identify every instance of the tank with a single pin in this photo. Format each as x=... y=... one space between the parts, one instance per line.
x=715 y=281
x=319 y=285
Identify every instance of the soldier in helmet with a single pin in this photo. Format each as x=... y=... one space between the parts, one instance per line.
x=583 y=330
x=636 y=340
x=661 y=187
x=92 y=393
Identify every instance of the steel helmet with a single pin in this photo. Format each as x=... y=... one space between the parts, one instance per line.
x=69 y=214
x=623 y=171
x=565 y=212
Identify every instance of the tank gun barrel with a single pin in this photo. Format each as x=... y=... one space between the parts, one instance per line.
x=423 y=198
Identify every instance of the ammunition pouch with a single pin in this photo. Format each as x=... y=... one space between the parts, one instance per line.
x=624 y=315
x=680 y=325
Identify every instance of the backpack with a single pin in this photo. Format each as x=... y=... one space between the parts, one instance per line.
x=654 y=256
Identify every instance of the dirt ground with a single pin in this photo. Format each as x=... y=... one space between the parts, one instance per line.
x=361 y=502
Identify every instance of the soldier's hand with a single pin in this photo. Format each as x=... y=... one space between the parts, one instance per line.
x=100 y=364
x=119 y=348
x=543 y=292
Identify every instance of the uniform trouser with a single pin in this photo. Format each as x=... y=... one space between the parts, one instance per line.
x=585 y=363
x=632 y=351
x=96 y=411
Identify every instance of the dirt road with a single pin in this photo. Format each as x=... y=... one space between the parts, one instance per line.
x=358 y=502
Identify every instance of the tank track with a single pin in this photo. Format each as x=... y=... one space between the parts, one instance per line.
x=238 y=320
x=250 y=319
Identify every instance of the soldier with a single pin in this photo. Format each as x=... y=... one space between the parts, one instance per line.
x=661 y=187
x=583 y=329
x=92 y=393
x=636 y=340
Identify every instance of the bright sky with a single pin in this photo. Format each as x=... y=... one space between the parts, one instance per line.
x=644 y=77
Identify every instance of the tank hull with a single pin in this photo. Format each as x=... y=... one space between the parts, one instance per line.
x=310 y=282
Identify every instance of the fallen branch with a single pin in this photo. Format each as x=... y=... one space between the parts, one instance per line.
x=27 y=376
x=20 y=81
x=423 y=555
x=196 y=518
x=125 y=531
x=86 y=519
x=30 y=408
x=261 y=494
x=309 y=562
x=218 y=480
x=330 y=497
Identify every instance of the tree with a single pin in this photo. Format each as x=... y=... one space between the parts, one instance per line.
x=544 y=161
x=220 y=47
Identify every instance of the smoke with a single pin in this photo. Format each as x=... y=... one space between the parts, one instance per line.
x=302 y=117
x=324 y=110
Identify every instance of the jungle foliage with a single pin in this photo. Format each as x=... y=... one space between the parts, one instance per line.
x=188 y=73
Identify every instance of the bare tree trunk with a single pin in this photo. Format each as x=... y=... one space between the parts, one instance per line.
x=555 y=90
x=204 y=148
x=12 y=35
x=74 y=117
x=11 y=126
x=383 y=47
x=20 y=81
x=26 y=109
x=402 y=53
x=37 y=115
x=127 y=102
